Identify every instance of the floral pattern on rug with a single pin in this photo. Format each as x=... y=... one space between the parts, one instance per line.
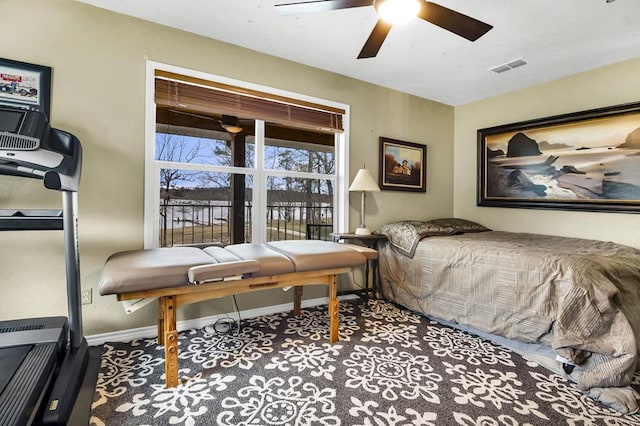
x=390 y=367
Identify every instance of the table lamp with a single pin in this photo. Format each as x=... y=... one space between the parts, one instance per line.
x=363 y=182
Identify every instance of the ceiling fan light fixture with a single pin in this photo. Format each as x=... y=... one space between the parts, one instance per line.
x=397 y=11
x=230 y=124
x=231 y=129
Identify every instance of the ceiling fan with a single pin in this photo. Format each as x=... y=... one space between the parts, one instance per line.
x=456 y=22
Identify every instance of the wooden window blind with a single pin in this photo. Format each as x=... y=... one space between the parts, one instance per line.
x=201 y=96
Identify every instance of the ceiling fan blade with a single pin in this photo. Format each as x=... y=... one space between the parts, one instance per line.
x=462 y=25
x=375 y=40
x=319 y=6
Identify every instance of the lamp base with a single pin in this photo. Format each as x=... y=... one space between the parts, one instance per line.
x=362 y=230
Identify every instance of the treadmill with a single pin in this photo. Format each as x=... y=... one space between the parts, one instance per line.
x=42 y=360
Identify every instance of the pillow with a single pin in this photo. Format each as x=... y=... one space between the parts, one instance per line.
x=460 y=226
x=406 y=234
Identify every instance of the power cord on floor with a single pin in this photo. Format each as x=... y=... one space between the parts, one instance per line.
x=226 y=325
x=359 y=286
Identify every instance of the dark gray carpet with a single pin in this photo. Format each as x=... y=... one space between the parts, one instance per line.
x=391 y=367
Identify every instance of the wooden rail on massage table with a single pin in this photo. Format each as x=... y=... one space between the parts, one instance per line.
x=170 y=299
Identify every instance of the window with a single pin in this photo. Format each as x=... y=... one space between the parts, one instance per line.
x=277 y=173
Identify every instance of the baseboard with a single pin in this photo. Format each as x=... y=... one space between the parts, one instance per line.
x=151 y=331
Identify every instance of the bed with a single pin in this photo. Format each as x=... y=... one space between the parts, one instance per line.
x=579 y=298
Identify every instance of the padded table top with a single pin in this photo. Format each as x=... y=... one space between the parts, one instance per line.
x=138 y=270
x=150 y=269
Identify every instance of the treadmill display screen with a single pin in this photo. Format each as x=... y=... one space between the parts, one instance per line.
x=10 y=120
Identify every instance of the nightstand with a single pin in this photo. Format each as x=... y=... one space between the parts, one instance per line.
x=372 y=266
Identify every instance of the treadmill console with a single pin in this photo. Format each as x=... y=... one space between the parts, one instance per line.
x=20 y=129
x=29 y=147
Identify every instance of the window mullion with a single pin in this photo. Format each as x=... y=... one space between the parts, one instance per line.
x=204 y=167
x=298 y=175
x=258 y=222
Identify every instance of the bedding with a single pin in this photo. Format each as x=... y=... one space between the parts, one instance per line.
x=580 y=297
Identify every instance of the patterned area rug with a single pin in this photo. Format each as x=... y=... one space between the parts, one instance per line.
x=391 y=367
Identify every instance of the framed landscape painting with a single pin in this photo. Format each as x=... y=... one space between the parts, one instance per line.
x=588 y=160
x=403 y=166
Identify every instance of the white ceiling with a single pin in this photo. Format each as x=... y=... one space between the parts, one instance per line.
x=555 y=37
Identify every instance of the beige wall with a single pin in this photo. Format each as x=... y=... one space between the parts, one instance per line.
x=612 y=85
x=98 y=60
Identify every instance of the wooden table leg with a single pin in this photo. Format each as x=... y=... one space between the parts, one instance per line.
x=161 y=321
x=170 y=341
x=297 y=300
x=334 y=310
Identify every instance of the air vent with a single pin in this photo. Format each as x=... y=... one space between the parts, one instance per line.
x=508 y=66
x=501 y=69
x=18 y=328
x=10 y=141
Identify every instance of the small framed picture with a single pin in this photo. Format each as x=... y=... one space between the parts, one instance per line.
x=403 y=166
x=25 y=85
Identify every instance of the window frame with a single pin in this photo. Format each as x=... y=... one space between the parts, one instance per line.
x=259 y=232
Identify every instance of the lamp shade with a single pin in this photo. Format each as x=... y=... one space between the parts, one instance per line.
x=364 y=182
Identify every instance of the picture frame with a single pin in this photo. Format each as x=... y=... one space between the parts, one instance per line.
x=25 y=85
x=586 y=161
x=403 y=166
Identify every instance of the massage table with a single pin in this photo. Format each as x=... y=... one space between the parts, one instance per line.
x=178 y=276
